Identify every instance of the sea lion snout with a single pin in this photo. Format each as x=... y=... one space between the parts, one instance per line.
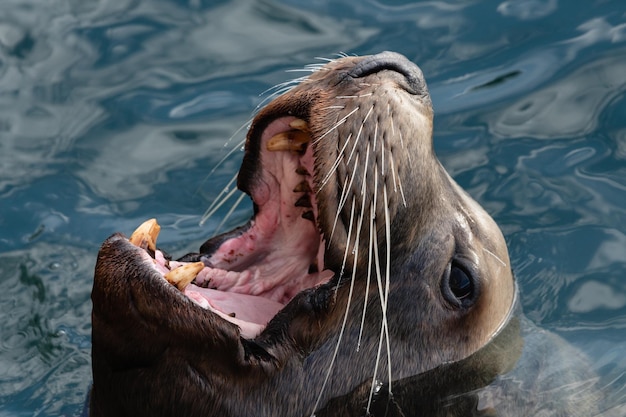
x=395 y=62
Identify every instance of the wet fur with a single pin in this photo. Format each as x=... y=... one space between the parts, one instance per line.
x=378 y=338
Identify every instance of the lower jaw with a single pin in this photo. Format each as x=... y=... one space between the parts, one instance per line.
x=250 y=313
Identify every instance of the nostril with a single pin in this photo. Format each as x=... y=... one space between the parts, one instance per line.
x=394 y=62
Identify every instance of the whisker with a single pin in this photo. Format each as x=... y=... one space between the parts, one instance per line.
x=393 y=171
x=314 y=67
x=230 y=212
x=383 y=309
x=495 y=256
x=219 y=201
x=382 y=155
x=279 y=89
x=234 y=149
x=382 y=150
x=245 y=125
x=336 y=163
x=344 y=196
x=342 y=200
x=287 y=83
x=357 y=96
x=355 y=252
x=384 y=296
x=321 y=58
x=401 y=192
x=343 y=324
x=363 y=198
x=401 y=140
x=375 y=137
x=345 y=253
x=339 y=123
x=374 y=384
x=396 y=179
x=305 y=69
x=387 y=281
x=358 y=135
x=238 y=147
x=369 y=274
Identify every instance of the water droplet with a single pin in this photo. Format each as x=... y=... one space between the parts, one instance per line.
x=378 y=385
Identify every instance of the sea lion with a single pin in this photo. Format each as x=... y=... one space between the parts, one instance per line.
x=366 y=283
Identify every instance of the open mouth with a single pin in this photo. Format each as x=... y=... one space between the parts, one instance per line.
x=248 y=274
x=300 y=170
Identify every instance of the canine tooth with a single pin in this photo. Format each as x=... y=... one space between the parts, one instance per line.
x=145 y=236
x=292 y=140
x=304 y=201
x=302 y=171
x=300 y=124
x=303 y=187
x=308 y=215
x=183 y=275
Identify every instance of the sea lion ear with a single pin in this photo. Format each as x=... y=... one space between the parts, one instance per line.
x=459 y=285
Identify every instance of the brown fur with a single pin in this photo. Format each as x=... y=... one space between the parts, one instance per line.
x=156 y=353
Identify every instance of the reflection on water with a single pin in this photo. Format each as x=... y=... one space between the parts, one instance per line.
x=568 y=107
x=115 y=111
x=527 y=9
x=44 y=353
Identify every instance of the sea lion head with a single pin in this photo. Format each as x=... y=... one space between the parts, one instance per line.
x=378 y=184
x=360 y=242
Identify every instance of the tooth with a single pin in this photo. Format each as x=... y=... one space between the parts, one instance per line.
x=300 y=124
x=304 y=201
x=145 y=236
x=183 y=275
x=302 y=171
x=303 y=187
x=308 y=215
x=292 y=140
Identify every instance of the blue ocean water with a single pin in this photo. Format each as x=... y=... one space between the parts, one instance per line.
x=115 y=111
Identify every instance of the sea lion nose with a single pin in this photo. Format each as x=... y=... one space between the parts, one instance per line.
x=395 y=62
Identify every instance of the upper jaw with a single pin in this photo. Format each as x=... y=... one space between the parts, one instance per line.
x=281 y=107
x=283 y=237
x=286 y=245
x=280 y=252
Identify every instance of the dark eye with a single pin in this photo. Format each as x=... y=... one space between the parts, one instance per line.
x=458 y=285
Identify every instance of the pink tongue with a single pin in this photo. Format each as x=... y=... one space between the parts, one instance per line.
x=247 y=307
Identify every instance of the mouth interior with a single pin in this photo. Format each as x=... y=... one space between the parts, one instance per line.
x=255 y=270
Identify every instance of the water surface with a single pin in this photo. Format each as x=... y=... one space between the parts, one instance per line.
x=115 y=111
